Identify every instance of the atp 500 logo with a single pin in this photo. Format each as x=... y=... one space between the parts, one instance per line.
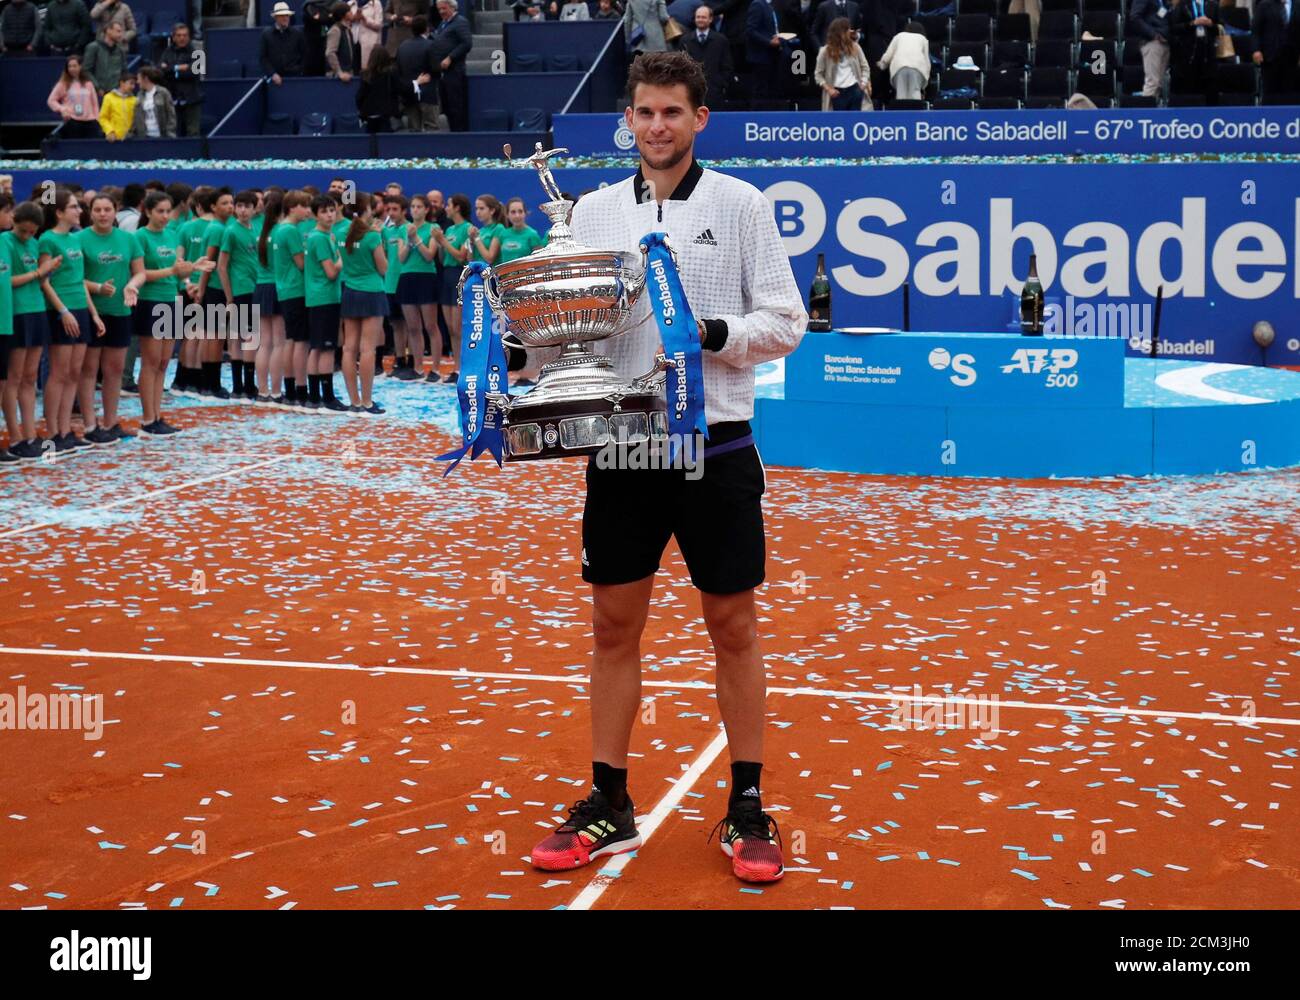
x=962 y=365
x=1055 y=361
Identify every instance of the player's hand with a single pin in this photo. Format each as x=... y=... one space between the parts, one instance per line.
x=107 y=288
x=131 y=295
x=205 y=266
x=99 y=326
x=70 y=325
x=50 y=266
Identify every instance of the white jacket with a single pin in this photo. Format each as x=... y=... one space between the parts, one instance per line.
x=907 y=50
x=733 y=267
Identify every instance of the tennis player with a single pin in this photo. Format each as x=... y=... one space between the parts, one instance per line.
x=739 y=285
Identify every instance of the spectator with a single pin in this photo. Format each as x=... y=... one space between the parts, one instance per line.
x=66 y=28
x=764 y=52
x=177 y=65
x=1276 y=33
x=1149 y=21
x=828 y=11
x=1080 y=102
x=128 y=216
x=1034 y=8
x=604 y=12
x=155 y=111
x=907 y=60
x=450 y=42
x=575 y=10
x=712 y=51
x=382 y=90
x=104 y=60
x=881 y=21
x=528 y=10
x=283 y=49
x=108 y=12
x=1194 y=35
x=368 y=30
x=18 y=28
x=340 y=50
x=643 y=25
x=317 y=19
x=842 y=71
x=117 y=111
x=74 y=99
x=415 y=61
x=400 y=15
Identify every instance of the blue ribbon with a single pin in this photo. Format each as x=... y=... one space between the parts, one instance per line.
x=478 y=426
x=680 y=335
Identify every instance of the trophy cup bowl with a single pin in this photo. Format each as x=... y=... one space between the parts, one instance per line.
x=568 y=296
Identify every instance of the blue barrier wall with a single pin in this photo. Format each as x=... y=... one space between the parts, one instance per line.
x=25 y=85
x=239 y=44
x=431 y=145
x=511 y=92
x=1221 y=237
x=583 y=39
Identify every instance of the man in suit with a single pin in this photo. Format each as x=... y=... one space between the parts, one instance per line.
x=828 y=11
x=451 y=40
x=1149 y=21
x=764 y=53
x=713 y=52
x=415 y=60
x=1276 y=33
x=881 y=20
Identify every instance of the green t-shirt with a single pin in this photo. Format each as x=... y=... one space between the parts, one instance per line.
x=321 y=289
x=192 y=237
x=24 y=256
x=265 y=272
x=108 y=258
x=516 y=243
x=69 y=281
x=456 y=236
x=159 y=251
x=240 y=242
x=487 y=234
x=340 y=230
x=359 y=271
x=393 y=237
x=286 y=241
x=415 y=262
x=215 y=233
x=6 y=295
x=306 y=226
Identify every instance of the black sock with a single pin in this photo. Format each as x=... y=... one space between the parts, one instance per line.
x=211 y=375
x=314 y=387
x=289 y=388
x=745 y=781
x=612 y=782
x=327 y=387
x=302 y=394
x=237 y=377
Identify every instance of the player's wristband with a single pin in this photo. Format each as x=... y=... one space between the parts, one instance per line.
x=715 y=334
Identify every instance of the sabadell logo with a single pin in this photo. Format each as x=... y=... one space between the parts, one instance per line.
x=623 y=137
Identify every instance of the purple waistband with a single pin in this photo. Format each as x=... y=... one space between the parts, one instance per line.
x=722 y=449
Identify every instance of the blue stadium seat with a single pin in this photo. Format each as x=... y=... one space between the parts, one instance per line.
x=529 y=120
x=972 y=28
x=1004 y=82
x=1059 y=25
x=977 y=51
x=563 y=62
x=960 y=83
x=1014 y=54
x=278 y=123
x=314 y=123
x=347 y=124
x=495 y=120
x=1013 y=28
x=528 y=62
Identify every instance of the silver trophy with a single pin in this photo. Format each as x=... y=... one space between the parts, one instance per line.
x=567 y=295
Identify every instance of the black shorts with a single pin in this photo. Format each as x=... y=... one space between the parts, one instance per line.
x=716 y=517
x=323 y=327
x=215 y=295
x=6 y=341
x=418 y=288
x=294 y=312
x=145 y=315
x=59 y=337
x=117 y=331
x=265 y=297
x=31 y=330
x=449 y=280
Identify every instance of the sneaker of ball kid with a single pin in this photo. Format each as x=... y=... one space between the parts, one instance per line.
x=593 y=830
x=747 y=839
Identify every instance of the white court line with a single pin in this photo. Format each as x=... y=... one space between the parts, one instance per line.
x=82 y=511
x=604 y=878
x=895 y=696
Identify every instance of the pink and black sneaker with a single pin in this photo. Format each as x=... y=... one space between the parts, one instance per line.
x=747 y=839
x=594 y=829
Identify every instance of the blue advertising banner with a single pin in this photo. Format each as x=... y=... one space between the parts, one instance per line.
x=956 y=369
x=768 y=135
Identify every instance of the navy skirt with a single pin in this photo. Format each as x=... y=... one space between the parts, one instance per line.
x=362 y=305
x=419 y=289
x=265 y=299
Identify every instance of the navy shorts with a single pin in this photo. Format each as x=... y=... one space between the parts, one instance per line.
x=144 y=318
x=418 y=289
x=5 y=341
x=214 y=296
x=294 y=312
x=362 y=305
x=31 y=330
x=323 y=327
x=716 y=516
x=450 y=278
x=265 y=297
x=243 y=327
x=117 y=331
x=60 y=337
x=394 y=306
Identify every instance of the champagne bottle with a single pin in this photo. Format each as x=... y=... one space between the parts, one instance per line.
x=819 y=298
x=1031 y=302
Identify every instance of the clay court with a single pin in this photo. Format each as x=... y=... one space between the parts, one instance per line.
x=364 y=685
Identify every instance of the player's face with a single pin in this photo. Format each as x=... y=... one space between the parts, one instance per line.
x=243 y=212
x=664 y=124
x=223 y=206
x=517 y=215
x=394 y=211
x=102 y=214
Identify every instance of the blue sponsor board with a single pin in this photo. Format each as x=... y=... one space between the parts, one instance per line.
x=956 y=369
x=1152 y=131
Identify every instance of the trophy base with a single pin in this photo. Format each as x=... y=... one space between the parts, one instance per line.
x=579 y=406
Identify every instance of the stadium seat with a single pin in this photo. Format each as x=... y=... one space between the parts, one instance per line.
x=529 y=120
x=1138 y=101
x=1279 y=98
x=1015 y=54
x=1132 y=55
x=1133 y=80
x=314 y=123
x=347 y=124
x=1004 y=82
x=937 y=8
x=970 y=28
x=998 y=103
x=1186 y=100
x=1054 y=53
x=1103 y=7
x=906 y=105
x=1238 y=83
x=986 y=7
x=1103 y=25
x=563 y=62
x=1237 y=18
x=1095 y=85
x=936 y=29
x=1058 y=25
x=494 y=120
x=976 y=51
x=528 y=62
x=1097 y=56
x=1047 y=83
x=1104 y=103
x=1060 y=6
x=960 y=83
x=952 y=104
x=1012 y=28
x=278 y=123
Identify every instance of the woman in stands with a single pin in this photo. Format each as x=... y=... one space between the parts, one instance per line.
x=76 y=101
x=518 y=239
x=393 y=234
x=322 y=267
x=417 y=289
x=112 y=259
x=455 y=252
x=363 y=305
x=158 y=288
x=285 y=251
x=73 y=320
x=485 y=238
x=31 y=328
x=270 y=345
